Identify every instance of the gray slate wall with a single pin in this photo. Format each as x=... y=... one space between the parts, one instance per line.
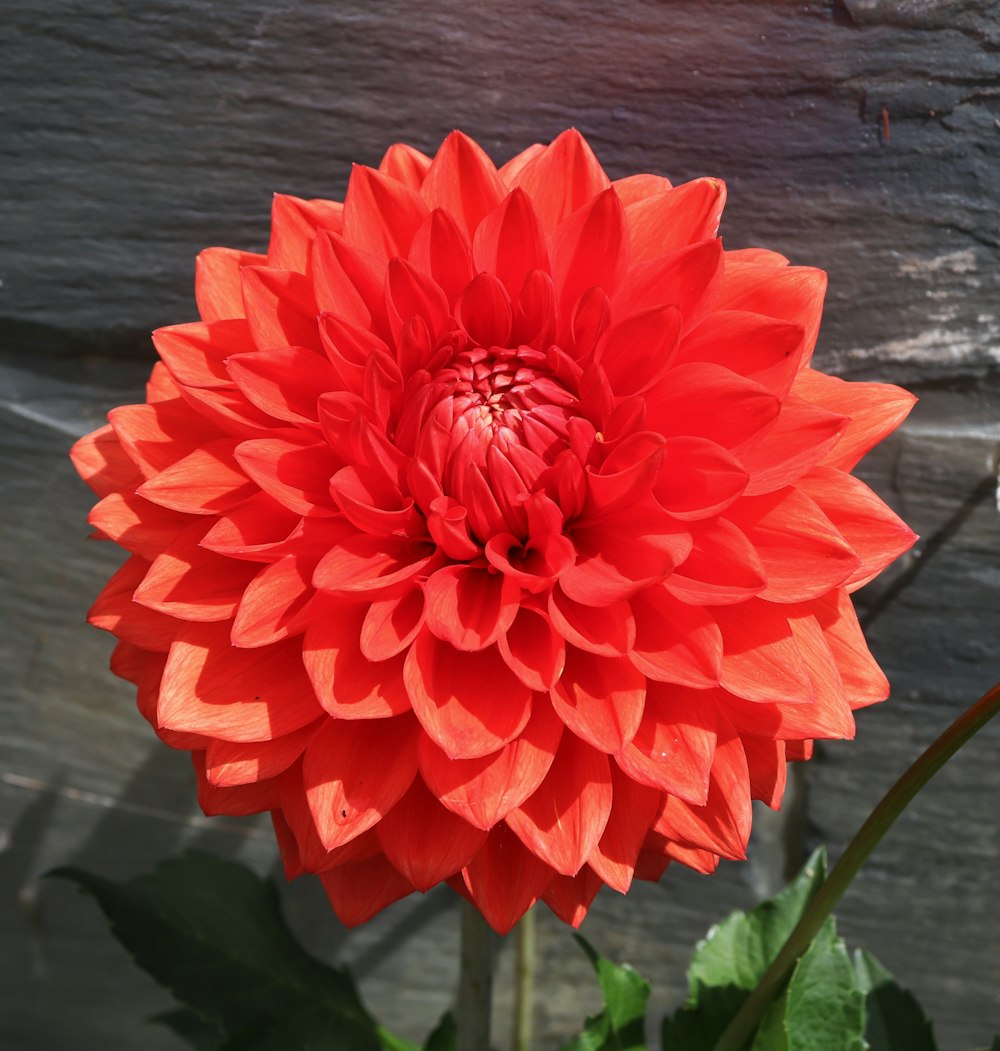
x=862 y=136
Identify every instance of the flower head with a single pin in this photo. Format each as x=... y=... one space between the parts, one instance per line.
x=494 y=528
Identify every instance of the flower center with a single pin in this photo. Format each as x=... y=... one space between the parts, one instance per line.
x=487 y=423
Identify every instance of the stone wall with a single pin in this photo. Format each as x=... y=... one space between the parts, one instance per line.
x=862 y=136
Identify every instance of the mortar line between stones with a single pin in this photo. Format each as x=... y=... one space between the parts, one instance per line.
x=935 y=542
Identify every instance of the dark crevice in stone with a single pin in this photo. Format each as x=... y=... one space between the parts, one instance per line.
x=983 y=489
x=30 y=340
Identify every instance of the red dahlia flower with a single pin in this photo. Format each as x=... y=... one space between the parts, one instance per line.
x=494 y=528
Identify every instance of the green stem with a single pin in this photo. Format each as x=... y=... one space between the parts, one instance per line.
x=524 y=988
x=474 y=1003
x=744 y=1024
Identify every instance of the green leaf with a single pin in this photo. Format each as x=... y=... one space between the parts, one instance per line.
x=823 y=1009
x=894 y=1021
x=732 y=959
x=211 y=932
x=391 y=1042
x=444 y=1037
x=190 y=1027
x=621 y=1026
x=740 y=949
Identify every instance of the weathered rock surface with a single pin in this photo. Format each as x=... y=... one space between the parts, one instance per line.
x=861 y=136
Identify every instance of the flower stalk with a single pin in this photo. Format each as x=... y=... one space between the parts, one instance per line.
x=474 y=1002
x=743 y=1025
x=524 y=978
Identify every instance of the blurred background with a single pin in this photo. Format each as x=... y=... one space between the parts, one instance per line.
x=860 y=136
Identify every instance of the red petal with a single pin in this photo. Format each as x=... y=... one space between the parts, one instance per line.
x=686 y=279
x=533 y=649
x=559 y=178
x=284 y=383
x=569 y=897
x=627 y=475
x=189 y=582
x=470 y=607
x=391 y=624
x=426 y=842
x=349 y=348
x=608 y=631
x=348 y=684
x=829 y=715
x=296 y=473
x=635 y=188
x=510 y=170
x=803 y=554
x=510 y=242
x=355 y=772
x=699 y=479
x=231 y=763
x=680 y=216
x=485 y=311
x=864 y=681
x=621 y=554
x=236 y=695
x=875 y=410
x=471 y=704
x=294 y=223
x=195 y=354
x=636 y=351
x=273 y=604
x=381 y=215
x=722 y=825
x=768 y=769
x=760 y=348
x=723 y=567
x=217 y=286
x=673 y=749
x=406 y=164
x=373 y=504
x=790 y=293
x=760 y=660
x=359 y=563
x=103 y=464
x=801 y=437
x=505 y=879
x=562 y=822
x=875 y=533
x=589 y=248
x=136 y=524
x=709 y=401
x=280 y=307
x=409 y=293
x=204 y=482
x=463 y=181
x=235 y=801
x=675 y=642
x=254 y=530
x=600 y=699
x=348 y=282
x=115 y=611
x=441 y=251
x=634 y=808
x=483 y=791
x=360 y=889
x=228 y=410
x=155 y=437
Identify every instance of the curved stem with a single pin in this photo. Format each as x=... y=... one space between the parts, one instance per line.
x=742 y=1027
x=473 y=1008
x=524 y=989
